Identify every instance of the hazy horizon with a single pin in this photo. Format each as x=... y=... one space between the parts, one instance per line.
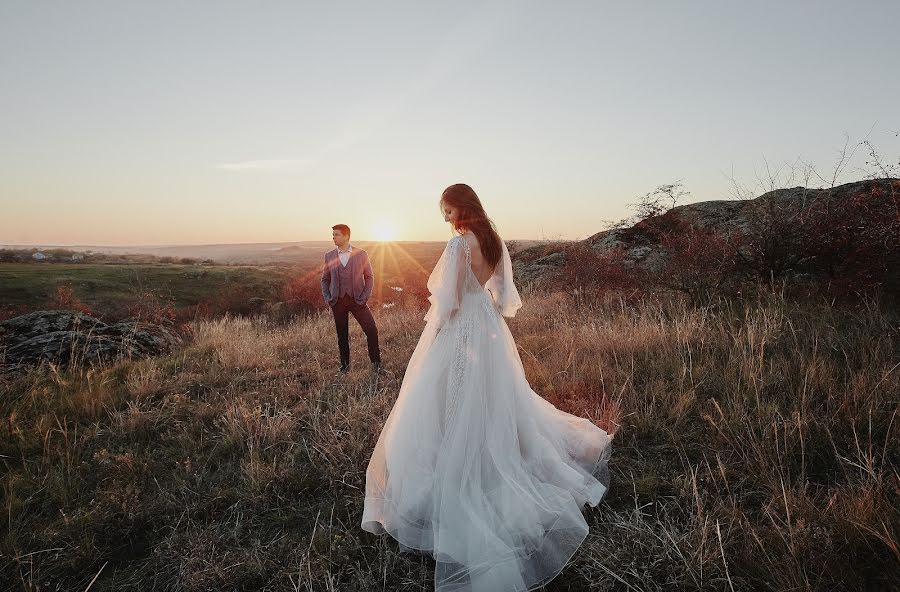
x=168 y=124
x=248 y=244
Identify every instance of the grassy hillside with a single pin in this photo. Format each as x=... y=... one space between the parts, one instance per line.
x=755 y=450
x=118 y=289
x=107 y=288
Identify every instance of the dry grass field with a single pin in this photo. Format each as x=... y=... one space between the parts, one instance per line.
x=756 y=448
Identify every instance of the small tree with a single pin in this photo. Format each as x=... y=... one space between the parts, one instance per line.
x=660 y=200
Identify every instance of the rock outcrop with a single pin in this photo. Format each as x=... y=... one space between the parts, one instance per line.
x=769 y=212
x=68 y=338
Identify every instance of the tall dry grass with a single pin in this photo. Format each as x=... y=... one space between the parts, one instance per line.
x=756 y=449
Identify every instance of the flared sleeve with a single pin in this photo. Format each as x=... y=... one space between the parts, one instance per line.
x=446 y=282
x=502 y=288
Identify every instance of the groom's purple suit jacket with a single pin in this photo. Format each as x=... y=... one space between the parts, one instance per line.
x=360 y=269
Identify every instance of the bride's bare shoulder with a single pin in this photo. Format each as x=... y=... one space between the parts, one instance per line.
x=471 y=240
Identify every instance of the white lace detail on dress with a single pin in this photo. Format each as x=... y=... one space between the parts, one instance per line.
x=488 y=305
x=457 y=372
x=460 y=358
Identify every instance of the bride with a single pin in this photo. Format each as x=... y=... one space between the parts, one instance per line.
x=472 y=465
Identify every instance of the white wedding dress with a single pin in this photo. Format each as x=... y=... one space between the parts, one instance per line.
x=472 y=465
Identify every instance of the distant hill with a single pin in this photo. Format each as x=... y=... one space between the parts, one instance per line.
x=221 y=253
x=301 y=253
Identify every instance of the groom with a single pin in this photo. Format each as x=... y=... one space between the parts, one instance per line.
x=347 y=283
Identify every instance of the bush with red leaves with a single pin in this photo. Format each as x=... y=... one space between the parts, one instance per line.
x=853 y=244
x=701 y=262
x=64 y=299
x=597 y=271
x=303 y=293
x=149 y=306
x=841 y=245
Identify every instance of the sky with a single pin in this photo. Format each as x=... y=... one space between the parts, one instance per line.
x=153 y=123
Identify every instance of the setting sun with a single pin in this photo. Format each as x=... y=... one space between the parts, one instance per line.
x=384 y=231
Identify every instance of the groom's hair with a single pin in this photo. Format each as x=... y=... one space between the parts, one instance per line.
x=343 y=228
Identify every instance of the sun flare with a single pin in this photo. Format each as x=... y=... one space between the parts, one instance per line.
x=384 y=231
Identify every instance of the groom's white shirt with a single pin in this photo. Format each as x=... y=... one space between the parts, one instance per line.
x=344 y=256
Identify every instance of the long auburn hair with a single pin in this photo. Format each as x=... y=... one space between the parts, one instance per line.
x=472 y=217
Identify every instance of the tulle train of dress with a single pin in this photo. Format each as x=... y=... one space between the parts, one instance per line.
x=472 y=465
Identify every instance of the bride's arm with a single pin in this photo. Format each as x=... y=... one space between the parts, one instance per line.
x=446 y=282
x=502 y=287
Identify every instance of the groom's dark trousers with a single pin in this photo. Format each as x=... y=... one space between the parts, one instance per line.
x=342 y=310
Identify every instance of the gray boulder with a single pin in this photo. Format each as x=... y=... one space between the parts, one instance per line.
x=527 y=271
x=69 y=338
